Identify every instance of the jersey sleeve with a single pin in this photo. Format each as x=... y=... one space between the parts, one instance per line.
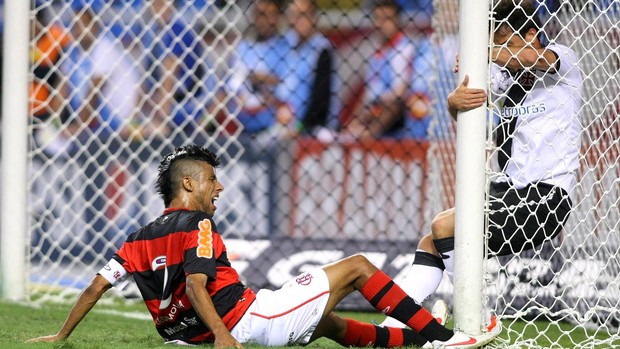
x=114 y=271
x=199 y=252
x=567 y=64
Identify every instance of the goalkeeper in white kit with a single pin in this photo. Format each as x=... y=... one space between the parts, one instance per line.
x=537 y=90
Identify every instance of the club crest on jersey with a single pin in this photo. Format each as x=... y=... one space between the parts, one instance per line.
x=304 y=280
x=205 y=239
x=527 y=79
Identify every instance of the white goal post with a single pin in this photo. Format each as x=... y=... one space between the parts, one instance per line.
x=470 y=172
x=14 y=161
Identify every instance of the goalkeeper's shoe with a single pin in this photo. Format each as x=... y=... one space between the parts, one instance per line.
x=462 y=340
x=440 y=312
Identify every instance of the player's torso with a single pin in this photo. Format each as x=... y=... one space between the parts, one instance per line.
x=538 y=116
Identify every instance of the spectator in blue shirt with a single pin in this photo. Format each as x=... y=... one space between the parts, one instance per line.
x=180 y=67
x=395 y=102
x=256 y=68
x=308 y=90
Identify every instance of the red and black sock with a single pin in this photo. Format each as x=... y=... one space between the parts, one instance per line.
x=390 y=299
x=361 y=334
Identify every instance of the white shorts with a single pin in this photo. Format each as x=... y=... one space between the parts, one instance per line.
x=286 y=316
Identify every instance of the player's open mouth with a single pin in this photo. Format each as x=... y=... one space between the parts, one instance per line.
x=213 y=200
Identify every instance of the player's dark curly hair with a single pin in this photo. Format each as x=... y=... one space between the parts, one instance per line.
x=170 y=167
x=519 y=15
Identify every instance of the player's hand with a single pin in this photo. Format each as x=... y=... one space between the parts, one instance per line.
x=46 y=339
x=464 y=98
x=226 y=341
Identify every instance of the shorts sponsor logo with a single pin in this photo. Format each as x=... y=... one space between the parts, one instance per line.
x=116 y=275
x=291 y=338
x=304 y=280
x=205 y=239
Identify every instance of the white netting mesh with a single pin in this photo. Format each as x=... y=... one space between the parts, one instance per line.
x=571 y=284
x=109 y=100
x=106 y=77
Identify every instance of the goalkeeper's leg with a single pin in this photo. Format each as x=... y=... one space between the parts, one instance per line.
x=435 y=253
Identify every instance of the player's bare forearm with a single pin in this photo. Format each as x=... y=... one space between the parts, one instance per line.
x=523 y=57
x=203 y=304
x=85 y=302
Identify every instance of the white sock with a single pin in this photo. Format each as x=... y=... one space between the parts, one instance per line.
x=421 y=281
x=449 y=264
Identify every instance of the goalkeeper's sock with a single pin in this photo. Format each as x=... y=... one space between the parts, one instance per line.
x=361 y=334
x=421 y=281
x=445 y=247
x=390 y=299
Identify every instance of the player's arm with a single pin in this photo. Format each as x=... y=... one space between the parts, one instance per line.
x=196 y=290
x=464 y=98
x=516 y=52
x=514 y=58
x=85 y=302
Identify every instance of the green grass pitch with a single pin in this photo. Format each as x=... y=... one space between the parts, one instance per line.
x=100 y=329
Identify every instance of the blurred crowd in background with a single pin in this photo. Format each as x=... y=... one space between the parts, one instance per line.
x=271 y=70
x=296 y=94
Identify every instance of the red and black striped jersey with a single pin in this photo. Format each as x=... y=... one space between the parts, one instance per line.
x=160 y=255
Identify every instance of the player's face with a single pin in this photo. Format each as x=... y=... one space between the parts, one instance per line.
x=385 y=20
x=208 y=189
x=504 y=36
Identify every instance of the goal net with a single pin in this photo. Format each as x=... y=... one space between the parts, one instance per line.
x=115 y=85
x=570 y=285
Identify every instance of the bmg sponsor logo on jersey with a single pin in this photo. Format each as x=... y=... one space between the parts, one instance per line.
x=304 y=280
x=205 y=239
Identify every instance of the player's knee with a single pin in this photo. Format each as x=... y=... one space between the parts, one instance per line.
x=426 y=243
x=442 y=225
x=362 y=265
